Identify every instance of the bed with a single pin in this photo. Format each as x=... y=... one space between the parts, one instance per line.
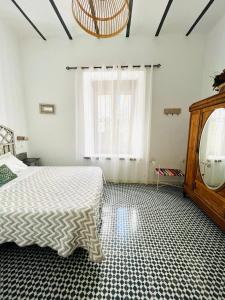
x=56 y=207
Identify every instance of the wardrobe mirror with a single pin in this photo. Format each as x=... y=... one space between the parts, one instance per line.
x=212 y=150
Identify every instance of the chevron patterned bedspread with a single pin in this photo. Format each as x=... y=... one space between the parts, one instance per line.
x=55 y=207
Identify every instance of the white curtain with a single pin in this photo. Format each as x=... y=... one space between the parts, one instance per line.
x=113 y=121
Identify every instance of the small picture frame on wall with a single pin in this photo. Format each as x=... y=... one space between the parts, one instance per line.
x=47 y=108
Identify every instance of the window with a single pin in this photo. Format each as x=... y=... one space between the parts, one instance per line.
x=114 y=113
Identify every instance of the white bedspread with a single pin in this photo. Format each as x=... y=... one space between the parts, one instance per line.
x=54 y=207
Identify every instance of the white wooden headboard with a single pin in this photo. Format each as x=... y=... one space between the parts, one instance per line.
x=7 y=141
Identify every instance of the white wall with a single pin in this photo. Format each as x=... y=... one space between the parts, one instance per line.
x=11 y=89
x=214 y=59
x=176 y=84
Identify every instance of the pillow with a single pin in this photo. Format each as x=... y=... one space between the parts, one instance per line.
x=13 y=163
x=6 y=175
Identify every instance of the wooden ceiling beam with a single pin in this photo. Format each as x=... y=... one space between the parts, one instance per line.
x=60 y=19
x=130 y=17
x=94 y=16
x=29 y=20
x=163 y=17
x=200 y=17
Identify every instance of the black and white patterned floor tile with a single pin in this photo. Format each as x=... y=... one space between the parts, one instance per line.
x=158 y=245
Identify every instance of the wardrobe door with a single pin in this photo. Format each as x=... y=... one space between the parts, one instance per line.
x=190 y=173
x=210 y=160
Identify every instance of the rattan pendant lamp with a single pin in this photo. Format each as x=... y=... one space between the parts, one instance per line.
x=101 y=18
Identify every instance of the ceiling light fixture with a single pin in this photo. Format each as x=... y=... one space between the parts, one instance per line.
x=101 y=18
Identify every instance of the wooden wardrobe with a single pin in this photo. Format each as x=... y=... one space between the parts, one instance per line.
x=210 y=200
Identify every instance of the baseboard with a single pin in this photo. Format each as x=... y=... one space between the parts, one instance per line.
x=149 y=182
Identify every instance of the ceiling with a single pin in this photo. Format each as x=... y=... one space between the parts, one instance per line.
x=145 y=18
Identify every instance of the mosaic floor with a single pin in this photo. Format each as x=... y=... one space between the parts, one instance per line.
x=158 y=245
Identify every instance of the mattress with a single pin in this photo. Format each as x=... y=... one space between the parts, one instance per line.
x=53 y=207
